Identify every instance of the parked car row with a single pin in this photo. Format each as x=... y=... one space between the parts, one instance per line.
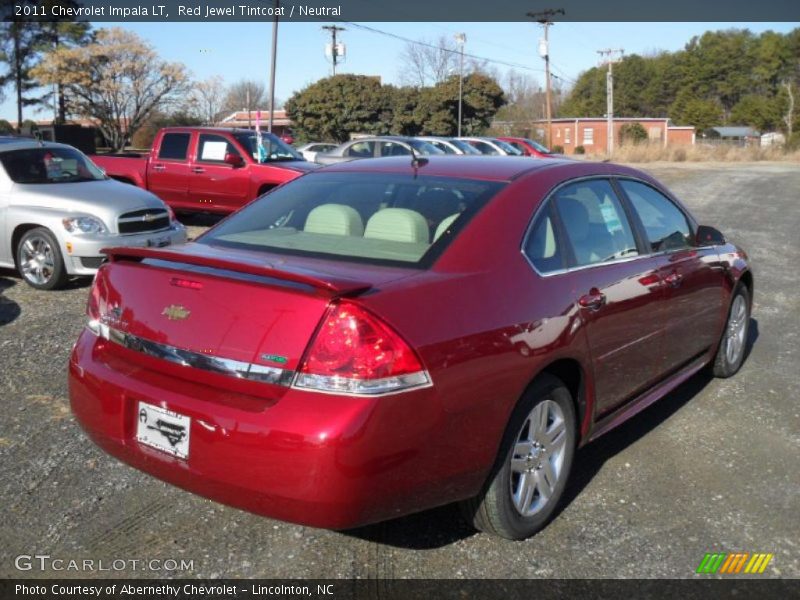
x=382 y=146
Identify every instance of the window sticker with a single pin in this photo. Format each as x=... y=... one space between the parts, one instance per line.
x=214 y=150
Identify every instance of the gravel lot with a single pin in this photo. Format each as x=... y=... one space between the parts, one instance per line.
x=712 y=467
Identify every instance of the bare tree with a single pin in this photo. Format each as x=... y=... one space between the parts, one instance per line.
x=427 y=63
x=118 y=81
x=207 y=99
x=245 y=95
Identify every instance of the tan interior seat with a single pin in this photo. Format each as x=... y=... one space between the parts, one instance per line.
x=442 y=227
x=334 y=219
x=398 y=225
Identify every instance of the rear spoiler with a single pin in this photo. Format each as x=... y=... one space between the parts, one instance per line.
x=332 y=285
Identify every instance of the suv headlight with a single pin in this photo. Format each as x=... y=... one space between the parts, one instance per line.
x=84 y=225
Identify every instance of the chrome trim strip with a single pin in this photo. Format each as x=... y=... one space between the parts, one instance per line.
x=187 y=358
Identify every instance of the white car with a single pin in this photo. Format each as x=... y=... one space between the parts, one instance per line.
x=58 y=211
x=450 y=145
x=491 y=146
x=310 y=151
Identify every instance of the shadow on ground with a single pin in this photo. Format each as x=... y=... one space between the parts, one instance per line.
x=443 y=526
x=9 y=310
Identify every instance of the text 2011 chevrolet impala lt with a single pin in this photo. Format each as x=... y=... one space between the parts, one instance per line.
x=384 y=336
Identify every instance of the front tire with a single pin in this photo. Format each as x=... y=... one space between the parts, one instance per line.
x=533 y=464
x=732 y=346
x=39 y=260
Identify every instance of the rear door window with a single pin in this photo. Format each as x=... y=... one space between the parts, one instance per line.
x=595 y=223
x=360 y=150
x=665 y=224
x=174 y=146
x=542 y=246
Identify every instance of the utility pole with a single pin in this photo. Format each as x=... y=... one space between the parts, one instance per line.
x=609 y=57
x=334 y=48
x=272 y=67
x=543 y=18
x=461 y=39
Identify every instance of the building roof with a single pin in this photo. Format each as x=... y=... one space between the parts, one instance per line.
x=736 y=131
x=240 y=118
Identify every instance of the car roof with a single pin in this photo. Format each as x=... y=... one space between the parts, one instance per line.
x=488 y=168
x=9 y=143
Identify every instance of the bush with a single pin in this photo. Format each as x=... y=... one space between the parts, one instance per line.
x=557 y=149
x=633 y=133
x=6 y=127
x=580 y=150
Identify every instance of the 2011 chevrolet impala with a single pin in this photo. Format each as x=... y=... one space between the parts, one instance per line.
x=384 y=336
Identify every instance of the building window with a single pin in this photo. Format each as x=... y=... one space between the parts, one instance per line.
x=588 y=136
x=566 y=135
x=654 y=133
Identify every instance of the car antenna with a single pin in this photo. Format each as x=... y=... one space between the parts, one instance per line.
x=417 y=161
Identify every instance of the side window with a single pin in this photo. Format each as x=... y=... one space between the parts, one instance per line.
x=484 y=148
x=360 y=149
x=174 y=146
x=595 y=222
x=665 y=224
x=519 y=147
x=213 y=148
x=541 y=247
x=393 y=149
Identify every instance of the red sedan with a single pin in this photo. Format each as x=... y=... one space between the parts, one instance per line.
x=529 y=147
x=384 y=336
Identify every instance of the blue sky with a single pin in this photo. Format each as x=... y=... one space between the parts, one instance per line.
x=241 y=50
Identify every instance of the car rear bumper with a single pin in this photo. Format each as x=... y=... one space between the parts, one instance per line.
x=87 y=250
x=316 y=459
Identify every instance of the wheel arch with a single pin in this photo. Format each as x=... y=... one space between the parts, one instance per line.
x=746 y=279
x=19 y=231
x=572 y=374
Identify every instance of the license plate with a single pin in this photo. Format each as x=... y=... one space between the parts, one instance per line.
x=163 y=430
x=158 y=242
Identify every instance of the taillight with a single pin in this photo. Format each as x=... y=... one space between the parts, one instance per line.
x=354 y=352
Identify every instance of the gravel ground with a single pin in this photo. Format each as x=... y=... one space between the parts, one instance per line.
x=712 y=467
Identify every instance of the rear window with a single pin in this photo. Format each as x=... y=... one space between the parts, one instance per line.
x=174 y=146
x=367 y=217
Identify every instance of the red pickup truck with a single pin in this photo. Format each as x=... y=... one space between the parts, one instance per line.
x=207 y=169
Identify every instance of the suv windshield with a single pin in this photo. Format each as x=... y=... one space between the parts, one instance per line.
x=49 y=165
x=386 y=218
x=272 y=147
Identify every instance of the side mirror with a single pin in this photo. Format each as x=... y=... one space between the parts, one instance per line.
x=234 y=160
x=708 y=236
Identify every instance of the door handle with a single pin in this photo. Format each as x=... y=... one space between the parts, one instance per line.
x=673 y=279
x=593 y=300
x=198 y=170
x=159 y=168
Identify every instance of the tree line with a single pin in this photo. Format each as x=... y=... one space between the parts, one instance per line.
x=731 y=77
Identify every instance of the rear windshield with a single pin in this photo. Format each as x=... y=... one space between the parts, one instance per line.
x=384 y=218
x=49 y=165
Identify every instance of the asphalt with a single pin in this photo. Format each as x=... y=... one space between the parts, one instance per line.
x=712 y=467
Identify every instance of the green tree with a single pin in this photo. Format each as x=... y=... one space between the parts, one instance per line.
x=405 y=117
x=57 y=34
x=690 y=110
x=19 y=50
x=333 y=108
x=761 y=112
x=6 y=127
x=481 y=99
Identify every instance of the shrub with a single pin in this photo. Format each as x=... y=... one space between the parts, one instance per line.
x=5 y=127
x=557 y=149
x=580 y=150
x=633 y=133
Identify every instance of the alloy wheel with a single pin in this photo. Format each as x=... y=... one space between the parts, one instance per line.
x=37 y=261
x=736 y=330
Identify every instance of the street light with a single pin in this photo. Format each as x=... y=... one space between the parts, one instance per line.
x=461 y=39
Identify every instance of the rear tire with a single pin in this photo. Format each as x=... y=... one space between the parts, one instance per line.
x=733 y=344
x=532 y=467
x=39 y=260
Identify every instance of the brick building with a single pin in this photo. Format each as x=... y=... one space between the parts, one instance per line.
x=591 y=133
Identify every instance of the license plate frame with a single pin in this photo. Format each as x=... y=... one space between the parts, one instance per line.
x=164 y=430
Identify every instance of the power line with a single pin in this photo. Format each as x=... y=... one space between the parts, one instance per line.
x=443 y=49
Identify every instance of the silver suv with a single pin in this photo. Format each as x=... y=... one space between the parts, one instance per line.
x=58 y=211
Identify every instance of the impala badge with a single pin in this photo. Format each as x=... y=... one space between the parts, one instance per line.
x=175 y=312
